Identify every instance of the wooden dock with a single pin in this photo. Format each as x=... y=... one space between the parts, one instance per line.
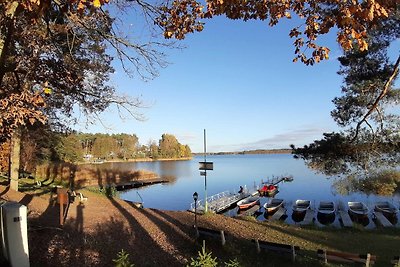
x=382 y=220
x=277 y=180
x=345 y=217
x=138 y=183
x=278 y=214
x=219 y=202
x=308 y=218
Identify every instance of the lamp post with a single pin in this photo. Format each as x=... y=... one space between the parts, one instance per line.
x=195 y=197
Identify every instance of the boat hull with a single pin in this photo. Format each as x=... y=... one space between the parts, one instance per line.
x=273 y=205
x=301 y=206
x=387 y=209
x=268 y=191
x=248 y=202
x=326 y=208
x=358 y=209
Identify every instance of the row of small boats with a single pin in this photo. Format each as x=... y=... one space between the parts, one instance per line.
x=268 y=190
x=324 y=207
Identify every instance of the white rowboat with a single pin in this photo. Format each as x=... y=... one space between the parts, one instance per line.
x=358 y=208
x=248 y=202
x=274 y=204
x=386 y=208
x=326 y=207
x=301 y=205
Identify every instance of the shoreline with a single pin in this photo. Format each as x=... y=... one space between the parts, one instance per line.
x=134 y=160
x=96 y=229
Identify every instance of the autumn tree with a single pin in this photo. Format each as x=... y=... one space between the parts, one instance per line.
x=352 y=19
x=169 y=147
x=55 y=58
x=153 y=149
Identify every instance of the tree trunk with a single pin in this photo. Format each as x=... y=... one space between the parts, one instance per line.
x=15 y=154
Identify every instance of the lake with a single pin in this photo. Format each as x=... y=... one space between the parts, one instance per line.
x=232 y=171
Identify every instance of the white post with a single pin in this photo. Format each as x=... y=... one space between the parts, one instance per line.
x=293 y=254
x=223 y=241
x=367 y=260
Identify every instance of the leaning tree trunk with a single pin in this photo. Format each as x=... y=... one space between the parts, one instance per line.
x=15 y=155
x=5 y=34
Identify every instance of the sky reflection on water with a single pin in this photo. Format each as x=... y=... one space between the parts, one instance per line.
x=232 y=171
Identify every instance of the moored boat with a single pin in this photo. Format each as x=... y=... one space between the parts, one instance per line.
x=248 y=202
x=386 y=208
x=326 y=207
x=273 y=205
x=301 y=205
x=268 y=190
x=358 y=208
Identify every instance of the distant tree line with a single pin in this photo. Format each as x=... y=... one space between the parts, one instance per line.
x=45 y=145
x=78 y=146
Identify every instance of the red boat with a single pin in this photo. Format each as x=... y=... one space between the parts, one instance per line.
x=268 y=190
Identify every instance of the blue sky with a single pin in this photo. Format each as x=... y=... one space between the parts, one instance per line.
x=236 y=80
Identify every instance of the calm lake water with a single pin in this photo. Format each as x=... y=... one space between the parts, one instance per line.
x=232 y=171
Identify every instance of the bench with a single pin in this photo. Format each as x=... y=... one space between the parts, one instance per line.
x=276 y=247
x=396 y=261
x=201 y=231
x=367 y=259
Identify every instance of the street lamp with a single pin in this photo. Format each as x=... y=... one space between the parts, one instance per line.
x=195 y=197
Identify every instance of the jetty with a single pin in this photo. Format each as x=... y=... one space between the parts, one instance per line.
x=219 y=202
x=277 y=180
x=345 y=217
x=382 y=220
x=278 y=214
x=308 y=218
x=138 y=183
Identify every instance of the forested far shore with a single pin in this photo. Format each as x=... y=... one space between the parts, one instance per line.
x=256 y=151
x=42 y=145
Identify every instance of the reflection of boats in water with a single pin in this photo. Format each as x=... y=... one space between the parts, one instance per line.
x=387 y=208
x=363 y=220
x=273 y=205
x=298 y=216
x=358 y=209
x=325 y=219
x=301 y=206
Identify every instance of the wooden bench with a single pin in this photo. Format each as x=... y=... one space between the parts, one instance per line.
x=201 y=231
x=276 y=247
x=396 y=261
x=367 y=259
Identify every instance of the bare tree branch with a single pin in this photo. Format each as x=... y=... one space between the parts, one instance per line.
x=374 y=106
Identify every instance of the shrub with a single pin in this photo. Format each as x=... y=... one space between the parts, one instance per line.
x=122 y=260
x=204 y=259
